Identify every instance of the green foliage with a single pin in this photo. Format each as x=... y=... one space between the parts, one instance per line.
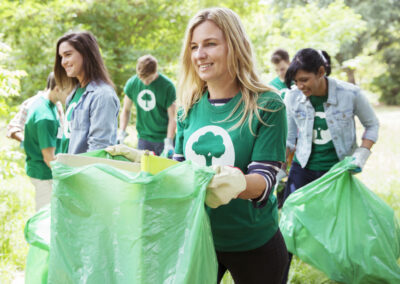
x=388 y=83
x=383 y=24
x=9 y=81
x=31 y=28
x=11 y=162
x=303 y=26
x=16 y=199
x=125 y=30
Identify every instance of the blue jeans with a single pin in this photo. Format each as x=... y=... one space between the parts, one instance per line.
x=156 y=147
x=298 y=177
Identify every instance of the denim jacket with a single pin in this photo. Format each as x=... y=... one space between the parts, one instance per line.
x=344 y=102
x=95 y=118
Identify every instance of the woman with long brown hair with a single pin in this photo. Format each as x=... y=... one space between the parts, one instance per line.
x=91 y=119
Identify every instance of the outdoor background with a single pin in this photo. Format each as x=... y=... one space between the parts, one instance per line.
x=362 y=37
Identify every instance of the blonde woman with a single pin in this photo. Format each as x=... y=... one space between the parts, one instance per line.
x=228 y=118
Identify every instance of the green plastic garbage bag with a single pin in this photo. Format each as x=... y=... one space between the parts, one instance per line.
x=37 y=234
x=115 y=226
x=340 y=227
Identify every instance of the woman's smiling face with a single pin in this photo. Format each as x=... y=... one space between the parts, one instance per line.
x=209 y=53
x=71 y=61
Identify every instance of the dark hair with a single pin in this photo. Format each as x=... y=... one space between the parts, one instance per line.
x=93 y=66
x=309 y=60
x=51 y=81
x=279 y=55
x=146 y=66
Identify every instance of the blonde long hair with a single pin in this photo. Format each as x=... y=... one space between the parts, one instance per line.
x=240 y=65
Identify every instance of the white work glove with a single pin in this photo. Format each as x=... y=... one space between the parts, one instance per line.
x=168 y=151
x=227 y=184
x=121 y=136
x=360 y=156
x=131 y=154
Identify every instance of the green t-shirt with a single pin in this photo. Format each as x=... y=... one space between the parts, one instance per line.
x=323 y=154
x=281 y=86
x=152 y=103
x=206 y=138
x=68 y=118
x=41 y=129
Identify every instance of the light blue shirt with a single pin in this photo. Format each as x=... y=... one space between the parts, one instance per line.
x=345 y=101
x=95 y=119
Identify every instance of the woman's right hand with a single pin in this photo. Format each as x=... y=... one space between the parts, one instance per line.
x=227 y=183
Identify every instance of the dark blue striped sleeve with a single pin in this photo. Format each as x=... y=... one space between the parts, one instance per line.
x=268 y=170
x=178 y=157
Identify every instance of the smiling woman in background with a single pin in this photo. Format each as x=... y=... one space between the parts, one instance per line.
x=91 y=119
x=320 y=114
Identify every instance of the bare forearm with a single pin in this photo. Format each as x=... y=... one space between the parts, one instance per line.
x=125 y=113
x=48 y=155
x=366 y=143
x=124 y=119
x=254 y=188
x=171 y=128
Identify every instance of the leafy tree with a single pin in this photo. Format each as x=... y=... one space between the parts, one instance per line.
x=11 y=161
x=209 y=146
x=308 y=25
x=31 y=28
x=9 y=81
x=125 y=30
x=374 y=52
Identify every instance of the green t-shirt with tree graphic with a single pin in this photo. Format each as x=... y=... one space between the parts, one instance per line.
x=68 y=118
x=323 y=154
x=206 y=137
x=41 y=129
x=152 y=102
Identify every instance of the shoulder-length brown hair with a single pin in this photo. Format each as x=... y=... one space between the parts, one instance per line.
x=93 y=65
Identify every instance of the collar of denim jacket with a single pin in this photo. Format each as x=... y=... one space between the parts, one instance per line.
x=332 y=95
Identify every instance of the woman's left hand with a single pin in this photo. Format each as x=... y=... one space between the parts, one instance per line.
x=360 y=155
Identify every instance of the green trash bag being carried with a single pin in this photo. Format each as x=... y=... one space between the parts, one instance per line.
x=37 y=234
x=340 y=227
x=116 y=226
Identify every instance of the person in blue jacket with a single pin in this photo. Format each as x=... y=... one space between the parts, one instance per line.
x=321 y=114
x=91 y=118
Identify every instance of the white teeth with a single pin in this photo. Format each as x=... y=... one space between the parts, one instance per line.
x=205 y=66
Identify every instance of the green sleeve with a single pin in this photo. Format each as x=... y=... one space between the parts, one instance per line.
x=171 y=95
x=47 y=133
x=270 y=144
x=128 y=89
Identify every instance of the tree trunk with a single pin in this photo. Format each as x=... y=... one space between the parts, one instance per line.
x=350 y=75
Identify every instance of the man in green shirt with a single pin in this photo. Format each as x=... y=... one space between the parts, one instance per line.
x=42 y=134
x=154 y=97
x=280 y=60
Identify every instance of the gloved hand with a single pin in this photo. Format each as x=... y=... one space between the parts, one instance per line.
x=131 y=154
x=121 y=136
x=360 y=156
x=168 y=151
x=280 y=175
x=227 y=184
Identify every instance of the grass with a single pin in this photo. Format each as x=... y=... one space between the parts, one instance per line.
x=16 y=206
x=381 y=175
